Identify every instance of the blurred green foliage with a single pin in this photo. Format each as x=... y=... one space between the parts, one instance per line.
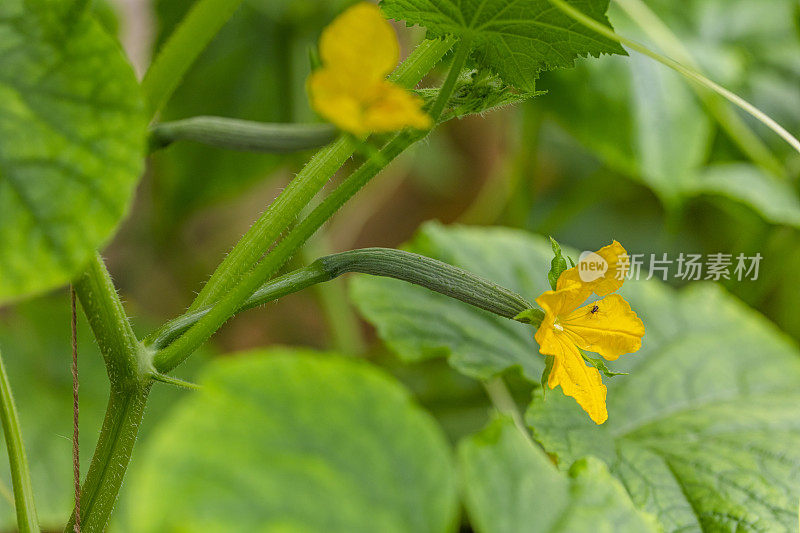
x=703 y=432
x=322 y=443
x=73 y=129
x=501 y=470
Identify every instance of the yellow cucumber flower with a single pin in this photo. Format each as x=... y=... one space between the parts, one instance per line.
x=358 y=49
x=608 y=327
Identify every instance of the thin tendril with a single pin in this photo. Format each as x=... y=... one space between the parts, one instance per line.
x=76 y=462
x=735 y=99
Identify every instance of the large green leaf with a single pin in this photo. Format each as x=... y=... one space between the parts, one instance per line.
x=511 y=486
x=73 y=128
x=516 y=39
x=773 y=199
x=705 y=431
x=288 y=440
x=418 y=324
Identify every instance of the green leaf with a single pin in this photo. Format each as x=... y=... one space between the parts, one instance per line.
x=530 y=316
x=748 y=50
x=510 y=486
x=600 y=365
x=477 y=91
x=418 y=324
x=557 y=265
x=73 y=128
x=775 y=200
x=705 y=432
x=516 y=39
x=549 y=361
x=289 y=440
x=643 y=120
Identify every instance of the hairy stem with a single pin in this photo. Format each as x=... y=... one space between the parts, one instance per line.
x=27 y=522
x=191 y=36
x=182 y=348
x=300 y=191
x=275 y=220
x=406 y=266
x=242 y=135
x=111 y=458
x=109 y=323
x=275 y=289
x=227 y=306
x=343 y=327
x=462 y=51
x=129 y=369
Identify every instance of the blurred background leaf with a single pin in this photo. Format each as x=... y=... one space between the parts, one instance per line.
x=322 y=443
x=511 y=486
x=73 y=128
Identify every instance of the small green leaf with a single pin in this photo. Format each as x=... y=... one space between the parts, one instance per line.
x=314 y=61
x=600 y=365
x=290 y=440
x=557 y=265
x=510 y=486
x=533 y=317
x=530 y=316
x=518 y=39
x=477 y=91
x=549 y=361
x=73 y=133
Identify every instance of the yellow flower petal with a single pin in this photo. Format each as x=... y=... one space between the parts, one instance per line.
x=358 y=49
x=333 y=100
x=385 y=108
x=610 y=281
x=360 y=44
x=394 y=108
x=577 y=380
x=608 y=327
x=563 y=300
